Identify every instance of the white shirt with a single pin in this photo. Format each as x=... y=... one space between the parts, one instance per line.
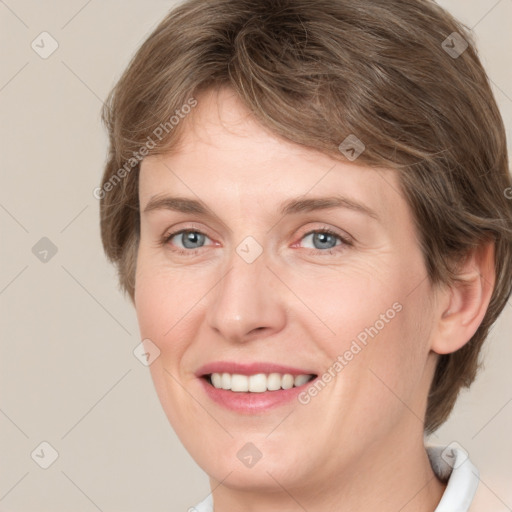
x=449 y=462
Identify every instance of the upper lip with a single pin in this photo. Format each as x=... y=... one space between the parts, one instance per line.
x=248 y=368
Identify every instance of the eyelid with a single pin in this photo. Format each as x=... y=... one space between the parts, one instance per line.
x=173 y=231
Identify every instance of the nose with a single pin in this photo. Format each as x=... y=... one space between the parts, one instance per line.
x=248 y=302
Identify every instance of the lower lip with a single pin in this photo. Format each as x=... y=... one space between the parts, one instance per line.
x=251 y=403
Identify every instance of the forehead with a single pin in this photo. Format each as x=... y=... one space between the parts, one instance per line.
x=225 y=156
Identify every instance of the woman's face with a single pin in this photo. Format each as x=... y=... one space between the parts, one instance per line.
x=257 y=281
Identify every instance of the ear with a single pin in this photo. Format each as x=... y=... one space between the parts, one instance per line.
x=462 y=306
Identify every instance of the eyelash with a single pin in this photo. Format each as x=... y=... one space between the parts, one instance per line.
x=191 y=252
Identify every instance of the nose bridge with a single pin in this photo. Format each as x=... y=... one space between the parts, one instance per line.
x=244 y=300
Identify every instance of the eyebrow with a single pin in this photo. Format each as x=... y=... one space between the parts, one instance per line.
x=290 y=207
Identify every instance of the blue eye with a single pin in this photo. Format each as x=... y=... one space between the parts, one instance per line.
x=324 y=240
x=188 y=238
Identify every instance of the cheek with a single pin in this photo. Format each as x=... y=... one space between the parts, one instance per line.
x=355 y=304
x=395 y=362
x=163 y=303
x=163 y=306
x=379 y=331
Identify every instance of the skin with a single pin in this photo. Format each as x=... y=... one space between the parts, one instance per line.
x=358 y=444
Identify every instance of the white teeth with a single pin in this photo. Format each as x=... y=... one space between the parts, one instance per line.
x=226 y=381
x=258 y=383
x=217 y=380
x=239 y=383
x=274 y=382
x=300 y=380
x=287 y=381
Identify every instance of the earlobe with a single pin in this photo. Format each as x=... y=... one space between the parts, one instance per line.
x=465 y=302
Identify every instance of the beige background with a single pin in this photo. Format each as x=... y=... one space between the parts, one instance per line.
x=68 y=374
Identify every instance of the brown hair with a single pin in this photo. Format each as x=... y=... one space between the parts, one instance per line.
x=315 y=72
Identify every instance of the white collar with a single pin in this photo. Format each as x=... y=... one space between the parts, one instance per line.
x=450 y=463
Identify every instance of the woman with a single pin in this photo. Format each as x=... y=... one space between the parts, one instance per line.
x=307 y=204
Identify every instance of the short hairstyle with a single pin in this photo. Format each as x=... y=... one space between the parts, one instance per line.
x=314 y=73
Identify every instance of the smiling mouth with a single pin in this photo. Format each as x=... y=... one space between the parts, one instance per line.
x=257 y=383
